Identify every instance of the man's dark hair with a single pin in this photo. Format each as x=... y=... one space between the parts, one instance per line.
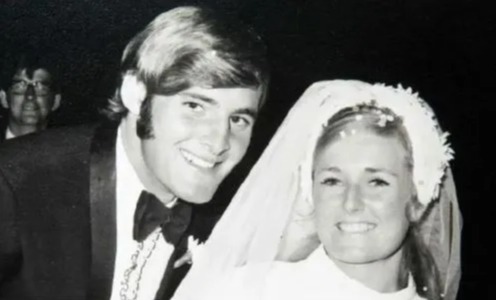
x=30 y=62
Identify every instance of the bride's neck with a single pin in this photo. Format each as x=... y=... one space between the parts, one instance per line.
x=384 y=276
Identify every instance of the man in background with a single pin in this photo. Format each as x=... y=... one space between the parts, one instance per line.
x=29 y=94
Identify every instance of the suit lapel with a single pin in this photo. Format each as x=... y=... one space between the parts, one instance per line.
x=3 y=129
x=102 y=211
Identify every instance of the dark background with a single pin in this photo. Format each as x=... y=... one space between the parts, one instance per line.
x=442 y=49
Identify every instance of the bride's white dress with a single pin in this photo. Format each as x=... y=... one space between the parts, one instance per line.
x=315 y=278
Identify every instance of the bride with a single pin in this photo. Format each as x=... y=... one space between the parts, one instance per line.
x=352 y=199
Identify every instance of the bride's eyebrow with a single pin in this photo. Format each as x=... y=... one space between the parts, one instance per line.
x=328 y=169
x=381 y=170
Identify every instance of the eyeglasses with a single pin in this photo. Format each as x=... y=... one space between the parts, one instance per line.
x=21 y=86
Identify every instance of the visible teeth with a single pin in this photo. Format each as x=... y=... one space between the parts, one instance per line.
x=197 y=160
x=355 y=227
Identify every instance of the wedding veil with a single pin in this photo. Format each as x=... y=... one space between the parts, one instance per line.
x=268 y=218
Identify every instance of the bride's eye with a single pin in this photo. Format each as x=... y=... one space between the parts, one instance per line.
x=331 y=181
x=378 y=182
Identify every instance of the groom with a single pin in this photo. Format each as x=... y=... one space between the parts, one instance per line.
x=101 y=212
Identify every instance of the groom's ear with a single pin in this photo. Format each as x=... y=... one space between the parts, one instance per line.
x=3 y=99
x=133 y=93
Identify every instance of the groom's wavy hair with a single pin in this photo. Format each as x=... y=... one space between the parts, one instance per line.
x=417 y=258
x=191 y=46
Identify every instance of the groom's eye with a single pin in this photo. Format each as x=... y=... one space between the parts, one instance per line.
x=240 y=122
x=193 y=106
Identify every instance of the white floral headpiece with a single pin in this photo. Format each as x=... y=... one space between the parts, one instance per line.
x=430 y=149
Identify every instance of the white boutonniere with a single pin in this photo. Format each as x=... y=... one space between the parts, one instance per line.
x=195 y=249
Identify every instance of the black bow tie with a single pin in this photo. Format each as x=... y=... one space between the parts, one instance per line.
x=151 y=213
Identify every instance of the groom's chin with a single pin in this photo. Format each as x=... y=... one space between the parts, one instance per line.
x=199 y=195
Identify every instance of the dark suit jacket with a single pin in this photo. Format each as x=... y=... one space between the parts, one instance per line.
x=57 y=216
x=3 y=128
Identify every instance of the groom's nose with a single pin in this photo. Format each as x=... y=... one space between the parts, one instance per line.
x=217 y=137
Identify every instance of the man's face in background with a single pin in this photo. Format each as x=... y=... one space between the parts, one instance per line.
x=30 y=99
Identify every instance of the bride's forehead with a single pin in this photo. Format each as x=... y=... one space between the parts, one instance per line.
x=360 y=134
x=362 y=148
x=359 y=118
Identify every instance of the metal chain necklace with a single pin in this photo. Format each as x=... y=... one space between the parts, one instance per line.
x=125 y=293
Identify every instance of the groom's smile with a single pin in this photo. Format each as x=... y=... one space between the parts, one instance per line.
x=199 y=161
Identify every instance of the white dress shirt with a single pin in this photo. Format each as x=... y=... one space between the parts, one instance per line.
x=154 y=255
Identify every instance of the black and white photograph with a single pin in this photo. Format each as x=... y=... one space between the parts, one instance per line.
x=251 y=150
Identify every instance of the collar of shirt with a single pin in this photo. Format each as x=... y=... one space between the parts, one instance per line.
x=129 y=188
x=9 y=134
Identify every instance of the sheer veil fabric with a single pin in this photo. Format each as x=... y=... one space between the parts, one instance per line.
x=270 y=217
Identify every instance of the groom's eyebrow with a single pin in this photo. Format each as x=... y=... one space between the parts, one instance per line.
x=244 y=111
x=247 y=111
x=201 y=98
